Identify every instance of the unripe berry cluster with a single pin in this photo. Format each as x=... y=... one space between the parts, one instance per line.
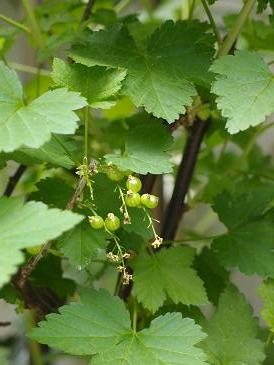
x=111 y=223
x=131 y=199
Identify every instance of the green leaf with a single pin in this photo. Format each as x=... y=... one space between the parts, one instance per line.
x=52 y=191
x=96 y=84
x=145 y=149
x=100 y=325
x=81 y=244
x=258 y=34
x=167 y=274
x=27 y=225
x=56 y=152
x=214 y=276
x=245 y=90
x=53 y=278
x=160 y=74
x=31 y=125
x=249 y=242
x=262 y=5
x=266 y=291
x=232 y=333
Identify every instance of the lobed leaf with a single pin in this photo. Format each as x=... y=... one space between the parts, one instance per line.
x=244 y=87
x=27 y=225
x=100 y=325
x=249 y=242
x=167 y=274
x=232 y=333
x=161 y=74
x=32 y=125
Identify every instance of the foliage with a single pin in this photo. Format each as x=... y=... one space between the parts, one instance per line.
x=136 y=175
x=105 y=332
x=232 y=333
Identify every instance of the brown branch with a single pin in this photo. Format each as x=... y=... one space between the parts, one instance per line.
x=5 y=324
x=26 y=271
x=31 y=297
x=88 y=10
x=14 y=179
x=148 y=182
x=177 y=204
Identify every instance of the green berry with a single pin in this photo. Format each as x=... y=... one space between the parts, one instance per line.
x=134 y=184
x=114 y=174
x=149 y=201
x=96 y=222
x=132 y=199
x=112 y=222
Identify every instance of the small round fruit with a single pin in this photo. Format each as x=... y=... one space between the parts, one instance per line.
x=149 y=201
x=134 y=184
x=114 y=174
x=34 y=250
x=112 y=222
x=96 y=222
x=132 y=199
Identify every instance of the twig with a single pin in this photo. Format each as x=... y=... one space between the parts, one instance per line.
x=212 y=22
x=20 y=279
x=13 y=180
x=88 y=9
x=236 y=29
x=177 y=205
x=41 y=300
x=5 y=324
x=29 y=69
x=14 y=23
x=33 y=24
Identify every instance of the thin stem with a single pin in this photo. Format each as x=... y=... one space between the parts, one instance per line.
x=191 y=10
x=14 y=23
x=124 y=206
x=185 y=9
x=86 y=121
x=236 y=29
x=222 y=152
x=34 y=347
x=21 y=278
x=88 y=10
x=269 y=340
x=212 y=22
x=28 y=69
x=134 y=319
x=151 y=224
x=35 y=30
x=14 y=179
x=121 y=5
x=71 y=157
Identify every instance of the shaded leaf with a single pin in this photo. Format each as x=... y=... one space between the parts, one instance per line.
x=159 y=75
x=100 y=325
x=167 y=274
x=232 y=333
x=28 y=225
x=244 y=88
x=96 y=84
